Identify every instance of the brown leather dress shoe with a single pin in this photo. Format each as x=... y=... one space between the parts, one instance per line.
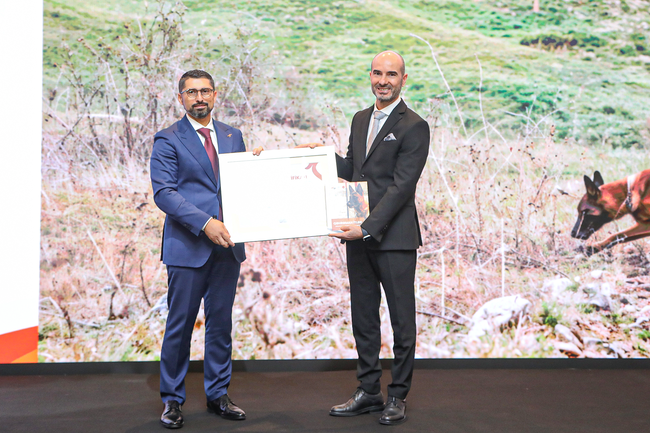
x=395 y=411
x=225 y=408
x=172 y=416
x=360 y=402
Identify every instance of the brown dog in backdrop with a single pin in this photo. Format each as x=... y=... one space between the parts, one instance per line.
x=606 y=202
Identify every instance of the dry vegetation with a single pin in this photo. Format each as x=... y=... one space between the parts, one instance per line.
x=496 y=214
x=102 y=281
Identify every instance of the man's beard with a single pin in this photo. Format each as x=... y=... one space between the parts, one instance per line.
x=200 y=113
x=394 y=93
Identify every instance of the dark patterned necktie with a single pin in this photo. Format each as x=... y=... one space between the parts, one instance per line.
x=214 y=160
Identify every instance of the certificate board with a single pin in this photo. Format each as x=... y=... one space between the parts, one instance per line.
x=279 y=194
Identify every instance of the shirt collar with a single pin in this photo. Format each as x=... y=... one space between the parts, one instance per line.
x=196 y=125
x=389 y=109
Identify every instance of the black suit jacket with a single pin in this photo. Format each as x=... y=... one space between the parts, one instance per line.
x=392 y=170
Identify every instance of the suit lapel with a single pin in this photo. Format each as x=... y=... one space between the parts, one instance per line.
x=224 y=137
x=362 y=134
x=190 y=139
x=225 y=142
x=394 y=117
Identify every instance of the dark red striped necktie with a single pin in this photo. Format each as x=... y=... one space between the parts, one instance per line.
x=214 y=160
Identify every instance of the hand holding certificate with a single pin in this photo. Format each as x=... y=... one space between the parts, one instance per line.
x=290 y=193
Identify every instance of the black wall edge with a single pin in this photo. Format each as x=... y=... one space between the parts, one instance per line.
x=316 y=365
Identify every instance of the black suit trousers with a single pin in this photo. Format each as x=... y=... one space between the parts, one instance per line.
x=395 y=270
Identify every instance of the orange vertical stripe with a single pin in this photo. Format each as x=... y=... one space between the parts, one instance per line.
x=15 y=345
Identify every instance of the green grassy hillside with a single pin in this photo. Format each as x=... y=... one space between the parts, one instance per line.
x=586 y=59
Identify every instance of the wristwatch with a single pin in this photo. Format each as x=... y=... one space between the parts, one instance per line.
x=366 y=235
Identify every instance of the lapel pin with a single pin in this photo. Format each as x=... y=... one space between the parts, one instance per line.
x=229 y=135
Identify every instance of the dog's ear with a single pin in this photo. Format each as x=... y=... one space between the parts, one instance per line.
x=592 y=188
x=598 y=179
x=351 y=189
x=359 y=189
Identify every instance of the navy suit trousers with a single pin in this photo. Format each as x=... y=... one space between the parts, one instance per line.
x=215 y=283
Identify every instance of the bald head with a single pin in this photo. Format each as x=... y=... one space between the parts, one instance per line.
x=392 y=57
x=387 y=76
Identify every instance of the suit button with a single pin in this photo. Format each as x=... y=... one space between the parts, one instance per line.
x=362 y=175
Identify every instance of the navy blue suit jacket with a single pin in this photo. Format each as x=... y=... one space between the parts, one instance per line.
x=185 y=188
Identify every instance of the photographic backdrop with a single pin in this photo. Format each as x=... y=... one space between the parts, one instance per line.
x=523 y=98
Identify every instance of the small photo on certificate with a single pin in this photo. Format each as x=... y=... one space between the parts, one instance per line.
x=347 y=204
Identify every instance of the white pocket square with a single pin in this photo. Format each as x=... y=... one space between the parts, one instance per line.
x=390 y=137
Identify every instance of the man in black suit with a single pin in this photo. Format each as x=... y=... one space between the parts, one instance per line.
x=389 y=144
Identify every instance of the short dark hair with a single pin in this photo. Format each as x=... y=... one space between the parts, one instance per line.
x=194 y=73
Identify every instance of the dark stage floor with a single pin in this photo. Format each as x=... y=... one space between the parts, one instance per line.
x=440 y=401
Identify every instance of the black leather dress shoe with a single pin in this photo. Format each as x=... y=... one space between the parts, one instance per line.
x=360 y=402
x=225 y=408
x=394 y=412
x=172 y=417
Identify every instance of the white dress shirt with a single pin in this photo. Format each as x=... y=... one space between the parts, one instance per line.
x=213 y=134
x=385 y=110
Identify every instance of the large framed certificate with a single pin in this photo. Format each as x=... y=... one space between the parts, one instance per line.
x=283 y=194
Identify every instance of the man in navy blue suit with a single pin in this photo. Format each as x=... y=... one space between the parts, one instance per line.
x=202 y=261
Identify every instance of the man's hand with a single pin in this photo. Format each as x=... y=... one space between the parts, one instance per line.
x=310 y=145
x=217 y=233
x=350 y=233
x=258 y=150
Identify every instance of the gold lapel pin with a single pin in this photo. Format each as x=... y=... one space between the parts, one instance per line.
x=229 y=135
